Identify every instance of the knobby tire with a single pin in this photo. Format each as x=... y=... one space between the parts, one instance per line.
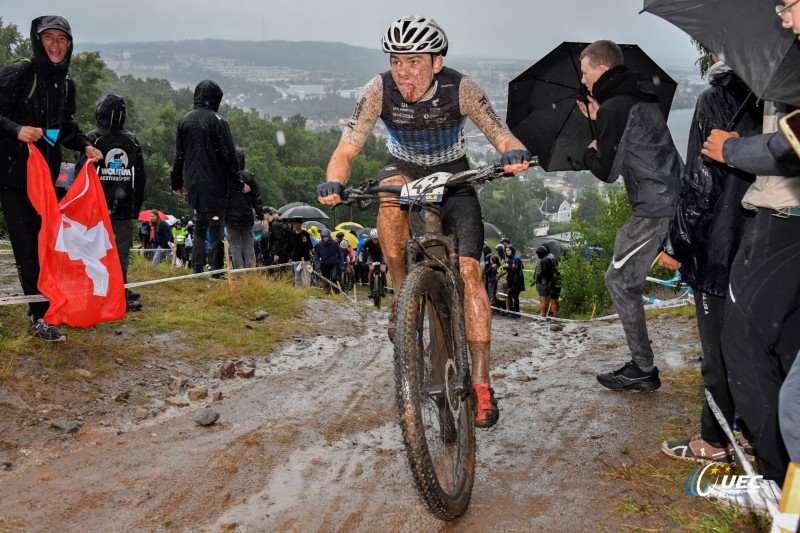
x=440 y=446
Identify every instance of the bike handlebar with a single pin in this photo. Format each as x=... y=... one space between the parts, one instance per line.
x=468 y=177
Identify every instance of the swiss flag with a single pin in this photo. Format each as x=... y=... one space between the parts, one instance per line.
x=79 y=267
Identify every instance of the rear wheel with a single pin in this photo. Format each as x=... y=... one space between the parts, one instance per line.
x=436 y=411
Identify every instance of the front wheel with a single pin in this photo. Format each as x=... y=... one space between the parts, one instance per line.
x=377 y=289
x=436 y=410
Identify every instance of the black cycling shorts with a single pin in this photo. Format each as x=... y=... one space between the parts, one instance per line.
x=460 y=210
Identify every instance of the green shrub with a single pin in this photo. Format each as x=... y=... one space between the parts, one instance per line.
x=585 y=262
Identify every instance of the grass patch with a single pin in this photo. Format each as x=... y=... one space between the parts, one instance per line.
x=656 y=483
x=192 y=319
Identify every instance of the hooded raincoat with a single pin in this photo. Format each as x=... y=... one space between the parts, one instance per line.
x=205 y=157
x=35 y=92
x=709 y=221
x=240 y=205
x=121 y=172
x=633 y=141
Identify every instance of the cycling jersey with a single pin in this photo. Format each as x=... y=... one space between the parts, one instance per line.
x=372 y=252
x=428 y=132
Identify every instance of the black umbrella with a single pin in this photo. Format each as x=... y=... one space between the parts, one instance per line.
x=746 y=35
x=542 y=108
x=490 y=230
x=304 y=212
x=290 y=205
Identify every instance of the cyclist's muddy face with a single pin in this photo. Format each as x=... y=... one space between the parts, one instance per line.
x=413 y=74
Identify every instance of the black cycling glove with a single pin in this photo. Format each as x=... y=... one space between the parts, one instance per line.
x=329 y=188
x=515 y=157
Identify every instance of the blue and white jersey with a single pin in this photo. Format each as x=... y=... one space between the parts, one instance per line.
x=429 y=132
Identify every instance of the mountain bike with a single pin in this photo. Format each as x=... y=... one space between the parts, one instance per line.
x=377 y=286
x=434 y=395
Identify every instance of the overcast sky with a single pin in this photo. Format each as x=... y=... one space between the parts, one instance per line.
x=519 y=29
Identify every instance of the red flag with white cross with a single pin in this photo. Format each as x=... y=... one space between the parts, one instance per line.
x=79 y=266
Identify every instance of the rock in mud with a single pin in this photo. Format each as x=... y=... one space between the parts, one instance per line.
x=178 y=383
x=218 y=396
x=207 y=418
x=174 y=402
x=556 y=327
x=140 y=413
x=198 y=393
x=246 y=371
x=260 y=315
x=227 y=370
x=66 y=425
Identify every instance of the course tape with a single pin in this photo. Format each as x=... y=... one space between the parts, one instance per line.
x=15 y=300
x=742 y=457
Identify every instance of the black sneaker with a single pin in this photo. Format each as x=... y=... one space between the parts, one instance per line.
x=631 y=377
x=133 y=305
x=130 y=295
x=46 y=332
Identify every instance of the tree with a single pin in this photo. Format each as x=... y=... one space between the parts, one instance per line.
x=87 y=69
x=591 y=203
x=12 y=44
x=705 y=60
x=583 y=288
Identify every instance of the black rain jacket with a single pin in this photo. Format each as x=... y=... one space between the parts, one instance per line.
x=121 y=171
x=633 y=141
x=240 y=205
x=710 y=221
x=35 y=92
x=205 y=157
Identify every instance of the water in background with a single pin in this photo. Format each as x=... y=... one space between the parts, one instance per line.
x=678 y=123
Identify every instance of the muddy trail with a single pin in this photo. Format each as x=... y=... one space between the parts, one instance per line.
x=311 y=441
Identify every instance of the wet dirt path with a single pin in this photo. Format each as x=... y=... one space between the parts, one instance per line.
x=312 y=443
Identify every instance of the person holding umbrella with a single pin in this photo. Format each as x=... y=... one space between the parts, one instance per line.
x=632 y=141
x=424 y=106
x=760 y=337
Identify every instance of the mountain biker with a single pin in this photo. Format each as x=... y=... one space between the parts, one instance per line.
x=349 y=258
x=424 y=106
x=328 y=258
x=371 y=253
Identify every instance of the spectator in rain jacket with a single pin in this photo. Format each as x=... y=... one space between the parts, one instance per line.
x=301 y=249
x=122 y=176
x=205 y=164
x=242 y=210
x=632 y=141
x=37 y=102
x=516 y=283
x=277 y=238
x=703 y=239
x=328 y=258
x=162 y=238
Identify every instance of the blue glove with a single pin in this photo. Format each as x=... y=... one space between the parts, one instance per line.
x=329 y=189
x=515 y=157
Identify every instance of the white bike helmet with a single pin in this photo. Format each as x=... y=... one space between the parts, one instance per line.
x=344 y=245
x=415 y=35
x=373 y=233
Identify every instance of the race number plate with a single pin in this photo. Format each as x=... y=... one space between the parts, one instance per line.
x=427 y=190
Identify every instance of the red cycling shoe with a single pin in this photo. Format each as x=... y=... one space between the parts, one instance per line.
x=486 y=412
